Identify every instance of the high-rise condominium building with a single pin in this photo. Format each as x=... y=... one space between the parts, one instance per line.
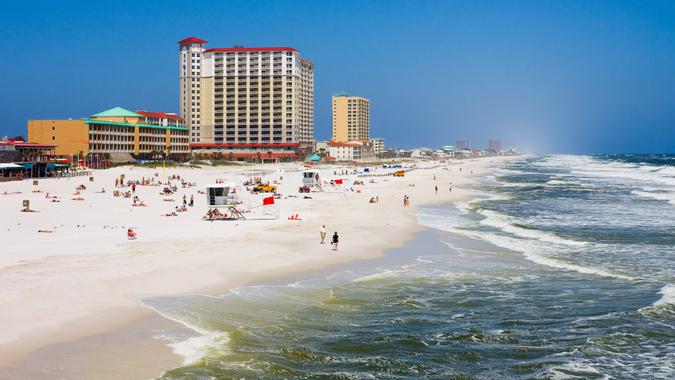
x=351 y=118
x=244 y=101
x=495 y=145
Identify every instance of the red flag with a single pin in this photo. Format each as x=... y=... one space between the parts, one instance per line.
x=338 y=182
x=268 y=201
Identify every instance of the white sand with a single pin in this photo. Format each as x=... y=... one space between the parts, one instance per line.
x=86 y=278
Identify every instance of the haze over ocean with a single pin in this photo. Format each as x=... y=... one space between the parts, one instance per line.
x=566 y=76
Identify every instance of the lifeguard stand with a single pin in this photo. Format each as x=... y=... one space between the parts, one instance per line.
x=311 y=179
x=224 y=196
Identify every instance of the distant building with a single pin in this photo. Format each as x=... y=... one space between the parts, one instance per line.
x=351 y=118
x=449 y=150
x=463 y=144
x=115 y=131
x=19 y=158
x=320 y=145
x=419 y=153
x=351 y=151
x=495 y=145
x=378 y=145
x=242 y=102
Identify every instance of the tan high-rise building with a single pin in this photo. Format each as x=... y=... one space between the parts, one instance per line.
x=246 y=102
x=351 y=118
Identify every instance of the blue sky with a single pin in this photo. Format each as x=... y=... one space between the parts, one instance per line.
x=545 y=76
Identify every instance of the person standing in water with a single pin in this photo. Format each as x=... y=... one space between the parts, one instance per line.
x=335 y=241
x=322 y=232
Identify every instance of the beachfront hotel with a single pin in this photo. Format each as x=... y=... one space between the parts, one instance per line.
x=247 y=103
x=119 y=132
x=351 y=118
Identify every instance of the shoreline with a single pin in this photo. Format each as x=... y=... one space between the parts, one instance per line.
x=401 y=229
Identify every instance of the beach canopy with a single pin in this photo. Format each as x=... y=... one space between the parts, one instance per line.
x=315 y=157
x=10 y=166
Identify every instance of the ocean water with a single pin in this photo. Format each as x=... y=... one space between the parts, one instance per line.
x=564 y=268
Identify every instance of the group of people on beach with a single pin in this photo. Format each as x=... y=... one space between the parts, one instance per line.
x=334 y=241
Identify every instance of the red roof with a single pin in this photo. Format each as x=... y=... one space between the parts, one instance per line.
x=245 y=49
x=159 y=115
x=342 y=144
x=191 y=40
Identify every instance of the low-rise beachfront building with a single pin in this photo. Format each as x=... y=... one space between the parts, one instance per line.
x=28 y=159
x=117 y=132
x=351 y=151
x=341 y=151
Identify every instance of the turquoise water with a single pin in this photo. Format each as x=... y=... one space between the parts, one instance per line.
x=564 y=269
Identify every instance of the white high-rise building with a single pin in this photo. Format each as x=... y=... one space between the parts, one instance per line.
x=247 y=102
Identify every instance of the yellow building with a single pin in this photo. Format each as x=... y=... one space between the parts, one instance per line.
x=115 y=131
x=351 y=118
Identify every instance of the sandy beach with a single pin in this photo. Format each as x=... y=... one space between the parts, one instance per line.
x=81 y=279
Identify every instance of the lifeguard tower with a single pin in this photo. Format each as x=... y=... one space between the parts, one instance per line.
x=311 y=180
x=224 y=196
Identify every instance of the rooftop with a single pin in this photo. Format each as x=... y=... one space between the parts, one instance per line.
x=250 y=49
x=159 y=115
x=191 y=40
x=117 y=112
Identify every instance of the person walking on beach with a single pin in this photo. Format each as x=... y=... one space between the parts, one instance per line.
x=436 y=189
x=133 y=187
x=184 y=200
x=335 y=241
x=192 y=200
x=322 y=232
